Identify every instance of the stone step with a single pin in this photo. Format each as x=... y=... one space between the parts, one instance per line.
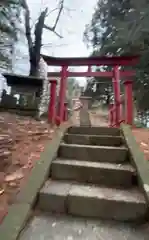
x=102 y=140
x=93 y=153
x=92 y=201
x=107 y=174
x=94 y=130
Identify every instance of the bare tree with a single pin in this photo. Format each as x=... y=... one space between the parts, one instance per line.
x=35 y=46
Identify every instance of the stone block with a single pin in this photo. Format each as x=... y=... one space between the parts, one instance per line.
x=105 y=203
x=102 y=140
x=53 y=197
x=93 y=153
x=94 y=130
x=112 y=175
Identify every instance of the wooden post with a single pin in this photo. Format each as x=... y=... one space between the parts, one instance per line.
x=62 y=92
x=52 y=102
x=89 y=71
x=128 y=102
x=116 y=88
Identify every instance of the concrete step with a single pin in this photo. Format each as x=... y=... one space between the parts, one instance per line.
x=100 y=140
x=93 y=153
x=94 y=130
x=107 y=174
x=92 y=201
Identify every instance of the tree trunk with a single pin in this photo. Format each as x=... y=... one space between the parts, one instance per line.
x=35 y=51
x=34 y=48
x=45 y=95
x=108 y=99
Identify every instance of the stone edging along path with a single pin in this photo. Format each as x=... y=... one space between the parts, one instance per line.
x=20 y=211
x=138 y=159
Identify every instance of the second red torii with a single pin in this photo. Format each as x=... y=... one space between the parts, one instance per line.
x=116 y=75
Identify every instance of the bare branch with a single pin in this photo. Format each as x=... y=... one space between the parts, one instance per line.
x=35 y=46
x=52 y=30
x=49 y=45
x=53 y=10
x=61 y=4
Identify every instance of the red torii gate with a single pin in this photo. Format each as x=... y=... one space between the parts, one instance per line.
x=116 y=75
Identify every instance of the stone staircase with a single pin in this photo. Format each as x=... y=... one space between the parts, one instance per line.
x=92 y=176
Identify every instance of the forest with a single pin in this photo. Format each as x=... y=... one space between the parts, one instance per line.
x=120 y=27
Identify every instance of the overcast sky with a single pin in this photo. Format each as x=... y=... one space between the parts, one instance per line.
x=71 y=26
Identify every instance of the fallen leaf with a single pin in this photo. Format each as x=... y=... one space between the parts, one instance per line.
x=144 y=144
x=12 y=184
x=2 y=191
x=14 y=176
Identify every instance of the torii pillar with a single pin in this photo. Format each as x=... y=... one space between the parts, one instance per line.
x=116 y=88
x=62 y=93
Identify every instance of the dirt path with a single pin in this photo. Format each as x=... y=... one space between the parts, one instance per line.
x=99 y=117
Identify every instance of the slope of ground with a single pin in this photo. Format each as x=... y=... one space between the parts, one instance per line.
x=27 y=138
